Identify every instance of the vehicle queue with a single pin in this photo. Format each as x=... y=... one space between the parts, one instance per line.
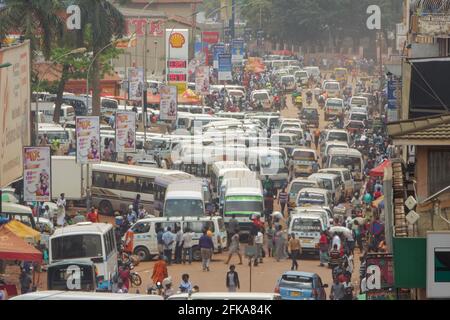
x=219 y=167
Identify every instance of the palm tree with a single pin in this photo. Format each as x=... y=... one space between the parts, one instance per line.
x=34 y=19
x=103 y=21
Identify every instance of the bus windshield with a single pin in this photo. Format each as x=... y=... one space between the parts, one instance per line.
x=243 y=206
x=296 y=187
x=311 y=198
x=77 y=246
x=358 y=116
x=304 y=155
x=345 y=161
x=184 y=207
x=340 y=136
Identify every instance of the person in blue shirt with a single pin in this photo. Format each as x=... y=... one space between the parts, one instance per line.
x=168 y=238
x=186 y=285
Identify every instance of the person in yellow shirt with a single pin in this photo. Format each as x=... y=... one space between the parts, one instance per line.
x=295 y=250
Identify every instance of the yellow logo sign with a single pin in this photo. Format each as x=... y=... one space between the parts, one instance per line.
x=176 y=40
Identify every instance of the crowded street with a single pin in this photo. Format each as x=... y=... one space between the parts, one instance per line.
x=155 y=152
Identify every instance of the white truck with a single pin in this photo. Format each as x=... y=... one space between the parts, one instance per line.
x=68 y=177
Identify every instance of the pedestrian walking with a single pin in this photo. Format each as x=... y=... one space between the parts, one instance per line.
x=308 y=138
x=259 y=242
x=270 y=232
x=169 y=239
x=316 y=137
x=279 y=243
x=233 y=227
x=295 y=250
x=159 y=270
x=187 y=245
x=178 y=245
x=234 y=248
x=337 y=290
x=323 y=248
x=232 y=279
x=61 y=215
x=282 y=199
x=92 y=216
x=159 y=240
x=206 y=246
x=136 y=203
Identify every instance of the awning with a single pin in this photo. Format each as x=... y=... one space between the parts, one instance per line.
x=379 y=171
x=378 y=203
x=14 y=248
x=23 y=231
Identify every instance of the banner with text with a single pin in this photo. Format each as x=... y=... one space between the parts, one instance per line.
x=218 y=49
x=237 y=51
x=88 y=139
x=14 y=111
x=225 y=67
x=135 y=83
x=168 y=102
x=125 y=131
x=37 y=174
x=202 y=80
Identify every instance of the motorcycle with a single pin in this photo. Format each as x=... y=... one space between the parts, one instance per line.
x=309 y=100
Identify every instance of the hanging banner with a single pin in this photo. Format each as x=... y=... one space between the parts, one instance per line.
x=36 y=174
x=202 y=80
x=237 y=51
x=14 y=110
x=135 y=83
x=125 y=131
x=211 y=37
x=225 y=67
x=88 y=139
x=218 y=49
x=168 y=103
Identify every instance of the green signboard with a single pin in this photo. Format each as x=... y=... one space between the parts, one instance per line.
x=410 y=262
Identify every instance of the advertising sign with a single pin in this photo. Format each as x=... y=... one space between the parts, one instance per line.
x=434 y=25
x=438 y=264
x=135 y=83
x=202 y=80
x=14 y=110
x=379 y=272
x=211 y=37
x=125 y=131
x=88 y=139
x=168 y=103
x=218 y=49
x=36 y=174
x=177 y=55
x=225 y=67
x=237 y=51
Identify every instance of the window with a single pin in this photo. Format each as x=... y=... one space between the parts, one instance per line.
x=198 y=226
x=347 y=175
x=164 y=225
x=184 y=207
x=306 y=225
x=127 y=183
x=296 y=282
x=438 y=170
x=77 y=246
x=141 y=227
x=109 y=242
x=145 y=185
x=103 y=180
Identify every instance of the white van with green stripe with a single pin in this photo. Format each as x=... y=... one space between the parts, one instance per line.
x=244 y=199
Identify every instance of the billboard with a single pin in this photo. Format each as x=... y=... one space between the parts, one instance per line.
x=218 y=49
x=202 y=80
x=37 y=174
x=125 y=131
x=88 y=139
x=379 y=272
x=14 y=111
x=135 y=83
x=168 y=103
x=438 y=264
x=237 y=51
x=211 y=37
x=225 y=67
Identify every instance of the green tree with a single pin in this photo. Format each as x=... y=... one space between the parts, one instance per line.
x=104 y=22
x=36 y=20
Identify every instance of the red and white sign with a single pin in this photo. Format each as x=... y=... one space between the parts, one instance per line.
x=155 y=27
x=210 y=37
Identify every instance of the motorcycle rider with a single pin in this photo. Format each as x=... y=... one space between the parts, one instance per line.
x=309 y=97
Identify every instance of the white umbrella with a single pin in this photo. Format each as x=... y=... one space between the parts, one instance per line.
x=338 y=229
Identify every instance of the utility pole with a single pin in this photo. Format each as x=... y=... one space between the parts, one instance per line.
x=232 y=20
x=144 y=88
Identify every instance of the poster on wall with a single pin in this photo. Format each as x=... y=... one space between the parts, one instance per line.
x=37 y=174
x=202 y=80
x=125 y=131
x=379 y=272
x=14 y=110
x=135 y=83
x=168 y=103
x=88 y=139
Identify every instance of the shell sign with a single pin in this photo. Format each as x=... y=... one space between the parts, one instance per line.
x=176 y=40
x=177 y=44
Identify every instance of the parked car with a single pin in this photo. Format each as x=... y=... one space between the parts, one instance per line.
x=298 y=285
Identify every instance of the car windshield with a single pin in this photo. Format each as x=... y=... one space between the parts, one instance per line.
x=358 y=101
x=76 y=246
x=311 y=198
x=310 y=112
x=287 y=79
x=303 y=155
x=358 y=116
x=332 y=86
x=184 y=207
x=297 y=186
x=340 y=136
x=295 y=282
x=260 y=96
x=346 y=161
x=306 y=225
x=334 y=103
x=355 y=124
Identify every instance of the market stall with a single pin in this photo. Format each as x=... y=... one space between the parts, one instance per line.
x=379 y=171
x=23 y=231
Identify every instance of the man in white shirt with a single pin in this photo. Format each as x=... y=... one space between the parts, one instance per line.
x=337 y=241
x=259 y=241
x=61 y=215
x=187 y=245
x=308 y=138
